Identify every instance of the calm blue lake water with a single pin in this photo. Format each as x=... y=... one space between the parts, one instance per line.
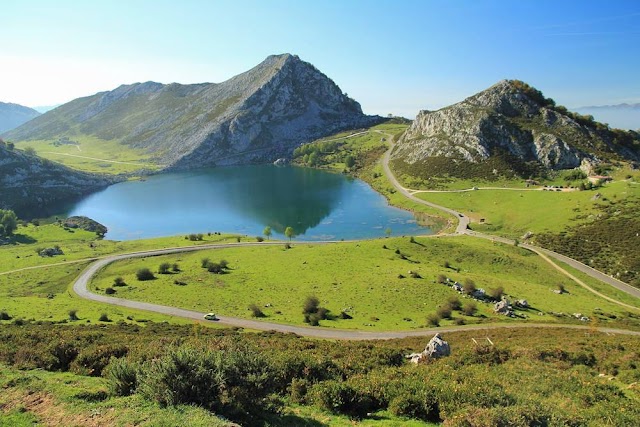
x=318 y=205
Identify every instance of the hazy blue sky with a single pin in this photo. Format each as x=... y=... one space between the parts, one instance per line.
x=391 y=56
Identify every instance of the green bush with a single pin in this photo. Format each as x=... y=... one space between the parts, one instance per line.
x=417 y=403
x=341 y=398
x=121 y=375
x=94 y=358
x=144 y=274
x=118 y=282
x=164 y=268
x=256 y=311
x=232 y=382
x=433 y=319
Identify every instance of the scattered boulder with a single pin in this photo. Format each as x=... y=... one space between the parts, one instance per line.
x=50 y=251
x=503 y=307
x=281 y=162
x=522 y=303
x=436 y=348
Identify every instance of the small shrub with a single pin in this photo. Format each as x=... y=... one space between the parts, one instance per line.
x=122 y=376
x=175 y=268
x=496 y=293
x=454 y=303
x=204 y=262
x=104 y=318
x=444 y=312
x=470 y=308
x=4 y=315
x=469 y=287
x=298 y=390
x=441 y=279
x=215 y=268
x=256 y=311
x=93 y=359
x=119 y=281
x=109 y=291
x=259 y=239
x=446 y=264
x=433 y=319
x=73 y=315
x=144 y=274
x=341 y=398
x=164 y=268
x=345 y=316
x=459 y=321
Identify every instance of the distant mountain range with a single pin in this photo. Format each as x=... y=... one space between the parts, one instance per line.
x=623 y=116
x=511 y=128
x=255 y=117
x=44 y=108
x=13 y=115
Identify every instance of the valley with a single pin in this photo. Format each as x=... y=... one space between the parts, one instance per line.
x=320 y=290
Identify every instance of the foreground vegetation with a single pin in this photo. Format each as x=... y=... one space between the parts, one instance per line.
x=124 y=374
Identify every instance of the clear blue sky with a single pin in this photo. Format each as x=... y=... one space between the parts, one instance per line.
x=391 y=56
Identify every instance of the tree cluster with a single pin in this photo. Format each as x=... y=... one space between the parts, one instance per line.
x=8 y=222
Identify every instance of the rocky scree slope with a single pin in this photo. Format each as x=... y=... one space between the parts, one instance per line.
x=257 y=116
x=13 y=115
x=516 y=121
x=28 y=181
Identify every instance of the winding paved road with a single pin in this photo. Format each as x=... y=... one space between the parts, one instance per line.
x=81 y=284
x=463 y=228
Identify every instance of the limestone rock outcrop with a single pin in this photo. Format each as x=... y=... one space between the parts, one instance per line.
x=513 y=119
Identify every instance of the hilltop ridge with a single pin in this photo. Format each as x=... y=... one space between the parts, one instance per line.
x=254 y=117
x=514 y=120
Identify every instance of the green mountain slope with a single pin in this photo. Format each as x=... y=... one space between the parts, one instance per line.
x=257 y=116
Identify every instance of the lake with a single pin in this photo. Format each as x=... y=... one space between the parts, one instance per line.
x=318 y=205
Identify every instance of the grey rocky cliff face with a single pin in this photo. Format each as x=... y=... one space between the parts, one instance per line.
x=294 y=104
x=503 y=119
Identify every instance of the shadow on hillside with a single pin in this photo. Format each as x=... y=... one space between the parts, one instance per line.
x=21 y=238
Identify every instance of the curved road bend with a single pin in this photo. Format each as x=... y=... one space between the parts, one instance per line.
x=81 y=283
x=463 y=224
x=80 y=288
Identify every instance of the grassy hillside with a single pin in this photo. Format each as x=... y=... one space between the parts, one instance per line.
x=92 y=154
x=598 y=227
x=118 y=375
x=369 y=280
x=366 y=147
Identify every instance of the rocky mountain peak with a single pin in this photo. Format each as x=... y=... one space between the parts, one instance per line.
x=514 y=121
x=511 y=98
x=257 y=116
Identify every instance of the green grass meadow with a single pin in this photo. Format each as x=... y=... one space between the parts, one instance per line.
x=362 y=279
x=77 y=155
x=513 y=213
